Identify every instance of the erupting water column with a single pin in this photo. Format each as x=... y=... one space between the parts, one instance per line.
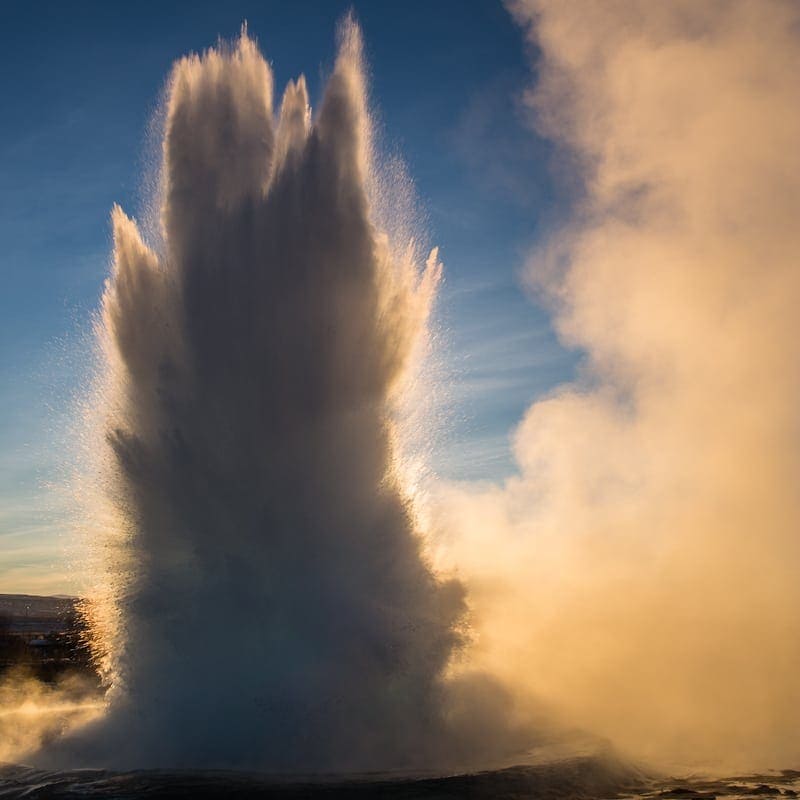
x=269 y=602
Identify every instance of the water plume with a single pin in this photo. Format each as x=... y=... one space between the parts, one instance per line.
x=269 y=603
x=640 y=572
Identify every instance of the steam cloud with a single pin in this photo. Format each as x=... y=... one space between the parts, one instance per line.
x=640 y=573
x=270 y=604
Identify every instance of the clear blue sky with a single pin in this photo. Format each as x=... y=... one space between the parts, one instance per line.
x=80 y=82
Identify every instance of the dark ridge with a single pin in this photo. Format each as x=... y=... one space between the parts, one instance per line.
x=582 y=778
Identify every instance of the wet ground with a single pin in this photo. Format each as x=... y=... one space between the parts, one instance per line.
x=582 y=778
x=785 y=783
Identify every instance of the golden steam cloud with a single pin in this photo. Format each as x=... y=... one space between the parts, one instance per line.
x=640 y=573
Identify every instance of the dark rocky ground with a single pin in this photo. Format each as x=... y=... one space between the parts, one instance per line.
x=580 y=778
x=575 y=778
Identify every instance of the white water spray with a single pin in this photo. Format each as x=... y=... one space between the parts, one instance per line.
x=268 y=601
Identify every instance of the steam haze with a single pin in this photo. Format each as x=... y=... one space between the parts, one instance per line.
x=640 y=573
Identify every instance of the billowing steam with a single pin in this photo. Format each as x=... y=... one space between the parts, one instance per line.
x=640 y=574
x=269 y=602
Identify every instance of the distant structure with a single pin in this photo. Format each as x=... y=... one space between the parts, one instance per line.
x=43 y=635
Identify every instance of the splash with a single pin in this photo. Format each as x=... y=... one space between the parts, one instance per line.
x=269 y=603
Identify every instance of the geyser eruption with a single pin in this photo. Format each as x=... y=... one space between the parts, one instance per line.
x=269 y=601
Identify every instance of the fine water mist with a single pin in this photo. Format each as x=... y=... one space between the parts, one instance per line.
x=267 y=601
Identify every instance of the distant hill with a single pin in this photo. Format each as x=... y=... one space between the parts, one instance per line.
x=44 y=636
x=30 y=615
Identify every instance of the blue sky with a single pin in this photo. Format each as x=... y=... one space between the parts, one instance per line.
x=80 y=83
